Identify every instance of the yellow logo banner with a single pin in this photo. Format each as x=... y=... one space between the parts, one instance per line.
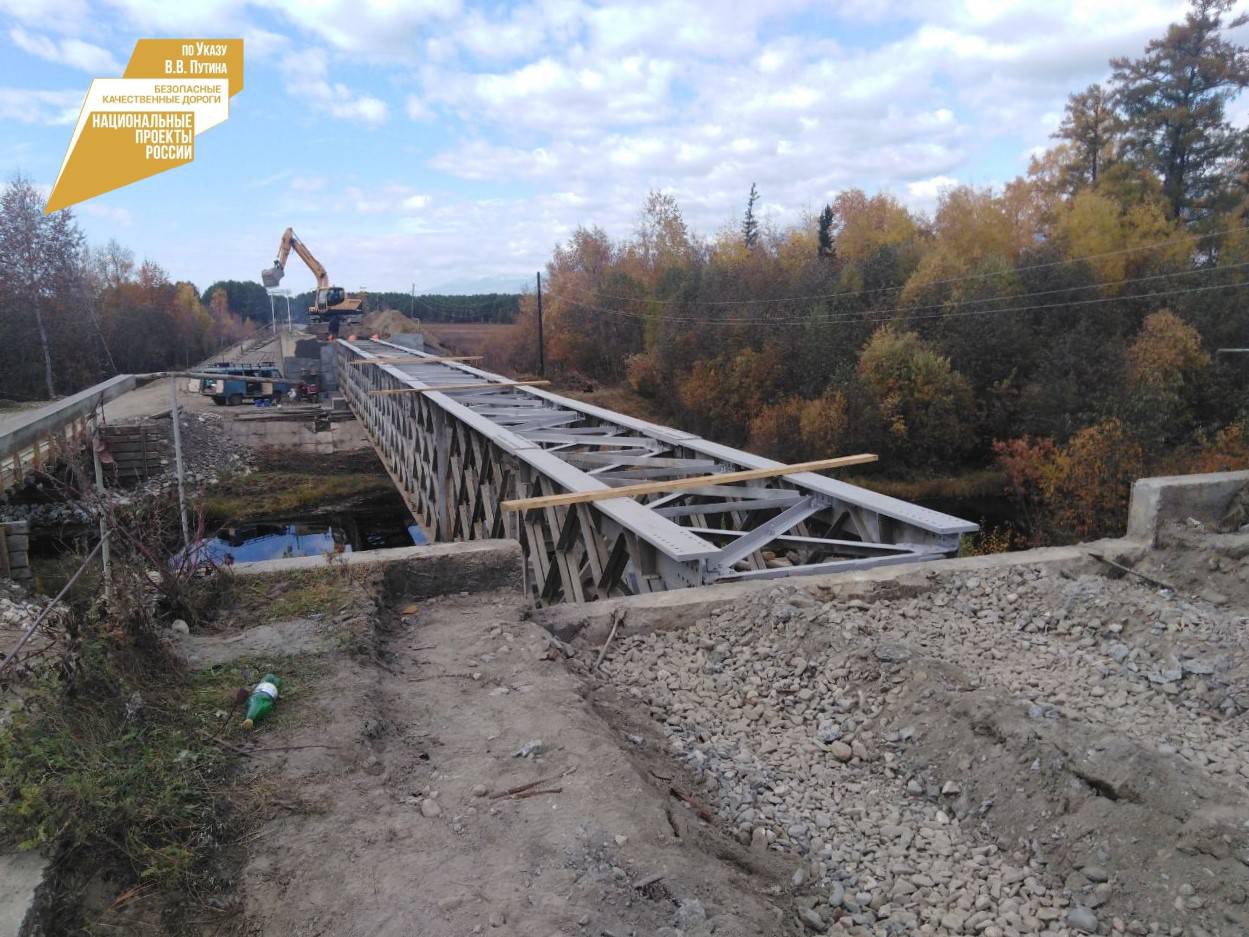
x=146 y=122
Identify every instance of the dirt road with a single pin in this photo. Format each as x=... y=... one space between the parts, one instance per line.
x=398 y=823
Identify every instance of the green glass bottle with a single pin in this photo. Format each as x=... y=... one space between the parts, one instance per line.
x=262 y=699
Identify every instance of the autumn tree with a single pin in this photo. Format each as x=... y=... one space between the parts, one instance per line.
x=1174 y=102
x=1165 y=365
x=825 y=233
x=921 y=404
x=750 y=224
x=1088 y=127
x=44 y=281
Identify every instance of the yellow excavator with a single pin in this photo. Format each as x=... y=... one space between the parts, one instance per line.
x=330 y=300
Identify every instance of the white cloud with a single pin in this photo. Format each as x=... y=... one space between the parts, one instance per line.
x=72 y=52
x=63 y=17
x=40 y=107
x=307 y=78
x=418 y=109
x=415 y=202
x=923 y=193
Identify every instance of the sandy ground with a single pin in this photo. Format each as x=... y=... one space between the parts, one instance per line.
x=154 y=398
x=399 y=828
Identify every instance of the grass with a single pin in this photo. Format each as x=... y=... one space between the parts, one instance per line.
x=270 y=493
x=115 y=774
x=297 y=595
x=129 y=777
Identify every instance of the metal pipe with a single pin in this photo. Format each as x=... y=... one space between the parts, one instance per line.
x=105 y=560
x=177 y=451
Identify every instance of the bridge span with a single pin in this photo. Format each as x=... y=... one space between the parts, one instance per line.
x=457 y=453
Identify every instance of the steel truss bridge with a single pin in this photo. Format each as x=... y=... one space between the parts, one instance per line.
x=455 y=455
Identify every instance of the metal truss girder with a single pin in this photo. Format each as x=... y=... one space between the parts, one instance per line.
x=455 y=455
x=833 y=566
x=759 y=537
x=727 y=507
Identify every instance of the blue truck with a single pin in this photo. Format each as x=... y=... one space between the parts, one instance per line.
x=232 y=384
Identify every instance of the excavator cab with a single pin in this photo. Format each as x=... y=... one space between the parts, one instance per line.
x=330 y=297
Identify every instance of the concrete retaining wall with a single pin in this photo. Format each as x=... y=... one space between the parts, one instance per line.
x=417 y=572
x=1169 y=498
x=679 y=608
x=301 y=435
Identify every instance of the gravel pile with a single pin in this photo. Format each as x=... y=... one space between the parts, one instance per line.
x=929 y=761
x=208 y=452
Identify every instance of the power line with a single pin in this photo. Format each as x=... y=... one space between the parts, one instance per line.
x=858 y=315
x=873 y=318
x=887 y=289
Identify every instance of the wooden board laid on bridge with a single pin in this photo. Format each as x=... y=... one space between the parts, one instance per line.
x=681 y=484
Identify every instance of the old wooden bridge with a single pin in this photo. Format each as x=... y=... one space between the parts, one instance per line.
x=458 y=441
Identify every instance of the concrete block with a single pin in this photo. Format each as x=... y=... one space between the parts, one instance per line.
x=1169 y=498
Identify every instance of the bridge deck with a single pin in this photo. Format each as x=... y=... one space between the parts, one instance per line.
x=455 y=455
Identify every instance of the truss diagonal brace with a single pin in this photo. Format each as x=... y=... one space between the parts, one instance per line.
x=743 y=546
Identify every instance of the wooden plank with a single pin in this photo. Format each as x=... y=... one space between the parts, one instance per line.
x=444 y=388
x=680 y=484
x=413 y=359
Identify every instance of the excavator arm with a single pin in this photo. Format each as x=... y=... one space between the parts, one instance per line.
x=272 y=276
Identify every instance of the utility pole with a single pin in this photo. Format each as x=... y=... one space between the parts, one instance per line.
x=541 y=343
x=412 y=314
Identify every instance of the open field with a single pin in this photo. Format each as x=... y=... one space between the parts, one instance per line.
x=463 y=338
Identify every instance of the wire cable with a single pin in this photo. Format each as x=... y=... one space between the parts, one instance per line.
x=959 y=279
x=874 y=318
x=860 y=314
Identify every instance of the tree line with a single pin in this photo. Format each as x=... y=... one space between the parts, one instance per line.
x=1063 y=327
x=73 y=315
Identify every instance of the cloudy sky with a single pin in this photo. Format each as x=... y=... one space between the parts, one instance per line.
x=452 y=144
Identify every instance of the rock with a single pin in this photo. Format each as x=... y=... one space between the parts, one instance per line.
x=1198 y=667
x=892 y=653
x=841 y=751
x=690 y=913
x=620 y=840
x=480 y=790
x=1095 y=873
x=836 y=895
x=828 y=731
x=180 y=627
x=531 y=749
x=1082 y=920
x=812 y=920
x=430 y=808
x=951 y=788
x=953 y=921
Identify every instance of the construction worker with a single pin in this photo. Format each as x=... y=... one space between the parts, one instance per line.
x=333 y=326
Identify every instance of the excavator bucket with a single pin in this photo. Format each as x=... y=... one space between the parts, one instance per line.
x=271 y=276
